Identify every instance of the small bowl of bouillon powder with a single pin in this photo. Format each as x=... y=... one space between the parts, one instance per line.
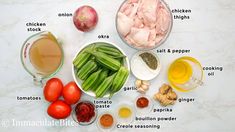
x=145 y=65
x=125 y=113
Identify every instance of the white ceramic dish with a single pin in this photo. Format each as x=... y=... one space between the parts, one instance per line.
x=79 y=81
x=147 y=74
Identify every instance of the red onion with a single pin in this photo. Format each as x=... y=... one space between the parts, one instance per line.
x=85 y=18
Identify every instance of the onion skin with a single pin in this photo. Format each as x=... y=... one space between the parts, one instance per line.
x=85 y=18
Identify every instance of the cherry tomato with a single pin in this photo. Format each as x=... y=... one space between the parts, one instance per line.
x=53 y=89
x=59 y=110
x=71 y=93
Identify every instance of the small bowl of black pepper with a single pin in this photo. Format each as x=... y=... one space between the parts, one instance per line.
x=145 y=65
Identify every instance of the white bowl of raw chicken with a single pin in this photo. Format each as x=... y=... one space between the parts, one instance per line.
x=144 y=24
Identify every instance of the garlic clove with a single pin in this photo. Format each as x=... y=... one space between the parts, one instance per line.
x=141 y=90
x=145 y=82
x=144 y=87
x=138 y=83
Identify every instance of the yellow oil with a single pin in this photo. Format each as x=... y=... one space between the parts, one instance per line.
x=180 y=72
x=124 y=112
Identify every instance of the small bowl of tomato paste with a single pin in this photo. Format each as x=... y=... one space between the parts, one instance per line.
x=84 y=113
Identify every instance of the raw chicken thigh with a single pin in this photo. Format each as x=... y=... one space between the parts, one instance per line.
x=124 y=24
x=143 y=23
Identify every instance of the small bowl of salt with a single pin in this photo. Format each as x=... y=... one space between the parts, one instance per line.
x=145 y=65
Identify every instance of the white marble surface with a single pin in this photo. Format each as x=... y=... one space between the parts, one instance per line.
x=209 y=34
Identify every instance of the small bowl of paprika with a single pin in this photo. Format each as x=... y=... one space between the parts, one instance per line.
x=143 y=104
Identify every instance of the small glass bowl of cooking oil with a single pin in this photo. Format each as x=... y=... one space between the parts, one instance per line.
x=185 y=74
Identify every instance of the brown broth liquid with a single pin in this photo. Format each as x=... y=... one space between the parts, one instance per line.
x=45 y=55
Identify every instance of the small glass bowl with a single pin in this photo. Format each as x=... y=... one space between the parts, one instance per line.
x=74 y=116
x=128 y=119
x=157 y=44
x=146 y=110
x=106 y=129
x=195 y=80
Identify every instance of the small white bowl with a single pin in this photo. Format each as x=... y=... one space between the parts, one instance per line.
x=109 y=129
x=127 y=120
x=140 y=74
x=79 y=81
x=146 y=110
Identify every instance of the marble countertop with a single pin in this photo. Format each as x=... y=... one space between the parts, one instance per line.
x=209 y=34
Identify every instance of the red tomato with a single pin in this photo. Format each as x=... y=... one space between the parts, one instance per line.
x=59 y=110
x=53 y=89
x=71 y=93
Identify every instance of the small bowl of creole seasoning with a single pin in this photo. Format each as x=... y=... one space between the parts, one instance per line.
x=106 y=122
x=145 y=65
